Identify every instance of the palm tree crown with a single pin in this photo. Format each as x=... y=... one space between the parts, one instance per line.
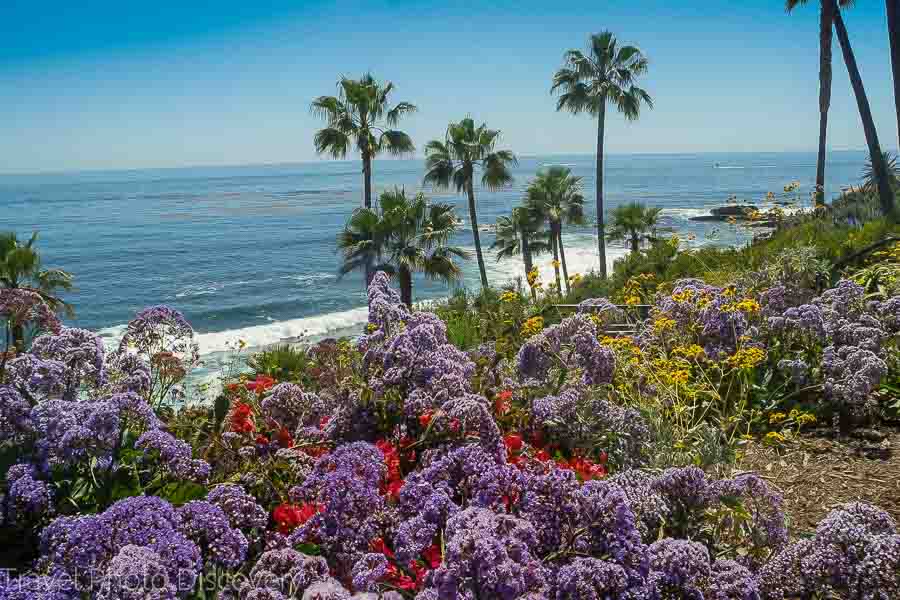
x=634 y=222
x=20 y=268
x=555 y=195
x=587 y=82
x=361 y=116
x=455 y=160
x=401 y=237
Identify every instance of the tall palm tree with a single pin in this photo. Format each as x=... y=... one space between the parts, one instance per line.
x=403 y=236
x=360 y=116
x=555 y=194
x=20 y=268
x=520 y=233
x=454 y=161
x=633 y=222
x=606 y=74
x=885 y=193
x=893 y=20
x=826 y=28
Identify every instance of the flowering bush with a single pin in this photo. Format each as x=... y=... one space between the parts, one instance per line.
x=405 y=468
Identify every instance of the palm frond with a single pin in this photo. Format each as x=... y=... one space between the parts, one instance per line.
x=332 y=141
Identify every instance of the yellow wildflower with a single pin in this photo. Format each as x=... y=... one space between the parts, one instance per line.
x=773 y=437
x=746 y=358
x=777 y=417
x=683 y=296
x=680 y=376
x=662 y=324
x=748 y=305
x=532 y=326
x=509 y=296
x=555 y=264
x=805 y=419
x=690 y=352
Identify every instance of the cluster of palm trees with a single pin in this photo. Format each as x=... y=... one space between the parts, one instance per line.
x=831 y=20
x=603 y=76
x=361 y=118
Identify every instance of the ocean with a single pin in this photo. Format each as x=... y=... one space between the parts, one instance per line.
x=248 y=252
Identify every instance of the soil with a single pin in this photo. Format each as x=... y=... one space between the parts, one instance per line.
x=817 y=472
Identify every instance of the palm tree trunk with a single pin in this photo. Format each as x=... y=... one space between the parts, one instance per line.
x=18 y=338
x=885 y=194
x=367 y=203
x=473 y=217
x=555 y=244
x=893 y=19
x=526 y=258
x=562 y=259
x=635 y=242
x=826 y=28
x=405 y=277
x=601 y=225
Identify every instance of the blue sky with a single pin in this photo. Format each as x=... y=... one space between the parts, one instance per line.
x=99 y=84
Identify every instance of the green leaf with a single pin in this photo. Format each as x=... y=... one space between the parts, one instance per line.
x=308 y=548
x=222 y=405
x=182 y=492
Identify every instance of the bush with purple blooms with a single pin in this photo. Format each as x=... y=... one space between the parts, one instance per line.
x=400 y=467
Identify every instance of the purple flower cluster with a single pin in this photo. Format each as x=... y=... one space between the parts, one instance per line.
x=174 y=455
x=806 y=322
x=208 y=526
x=346 y=483
x=15 y=415
x=24 y=307
x=83 y=548
x=241 y=508
x=856 y=550
x=127 y=372
x=160 y=329
x=46 y=587
x=136 y=573
x=28 y=499
x=851 y=374
x=36 y=378
x=280 y=574
x=572 y=344
x=82 y=354
x=579 y=418
x=289 y=406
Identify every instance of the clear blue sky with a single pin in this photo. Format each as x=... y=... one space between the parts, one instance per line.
x=103 y=84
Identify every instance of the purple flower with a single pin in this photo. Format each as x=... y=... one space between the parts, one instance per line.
x=731 y=581
x=45 y=587
x=23 y=307
x=174 y=455
x=680 y=568
x=81 y=352
x=291 y=407
x=591 y=579
x=368 y=570
x=15 y=415
x=241 y=508
x=765 y=507
x=137 y=573
x=878 y=574
x=29 y=499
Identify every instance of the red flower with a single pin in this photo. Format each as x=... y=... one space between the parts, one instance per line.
x=380 y=547
x=262 y=440
x=285 y=440
x=425 y=418
x=537 y=439
x=419 y=571
x=242 y=418
x=324 y=421
x=513 y=442
x=542 y=456
x=393 y=488
x=260 y=384
x=432 y=556
x=454 y=425
x=502 y=402
x=397 y=579
x=290 y=516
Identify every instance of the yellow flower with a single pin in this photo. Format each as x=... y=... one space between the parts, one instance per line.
x=773 y=437
x=805 y=419
x=777 y=417
x=662 y=324
x=575 y=279
x=746 y=358
x=534 y=278
x=509 y=296
x=691 y=352
x=748 y=305
x=532 y=326
x=683 y=296
x=747 y=437
x=729 y=291
x=680 y=376
x=555 y=264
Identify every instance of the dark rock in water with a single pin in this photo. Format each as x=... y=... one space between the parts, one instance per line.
x=738 y=210
x=723 y=213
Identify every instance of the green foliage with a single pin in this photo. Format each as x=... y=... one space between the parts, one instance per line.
x=284 y=362
x=633 y=222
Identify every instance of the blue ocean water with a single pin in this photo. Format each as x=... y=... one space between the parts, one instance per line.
x=249 y=252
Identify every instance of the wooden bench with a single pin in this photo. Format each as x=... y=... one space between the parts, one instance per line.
x=635 y=314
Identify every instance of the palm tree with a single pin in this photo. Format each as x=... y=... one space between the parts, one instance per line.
x=555 y=194
x=885 y=194
x=20 y=268
x=633 y=222
x=360 y=115
x=870 y=183
x=520 y=233
x=401 y=237
x=588 y=82
x=454 y=162
x=893 y=20
x=826 y=28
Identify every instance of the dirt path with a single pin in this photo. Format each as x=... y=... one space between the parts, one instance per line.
x=815 y=474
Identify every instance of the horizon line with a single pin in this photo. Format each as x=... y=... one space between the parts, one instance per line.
x=65 y=172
